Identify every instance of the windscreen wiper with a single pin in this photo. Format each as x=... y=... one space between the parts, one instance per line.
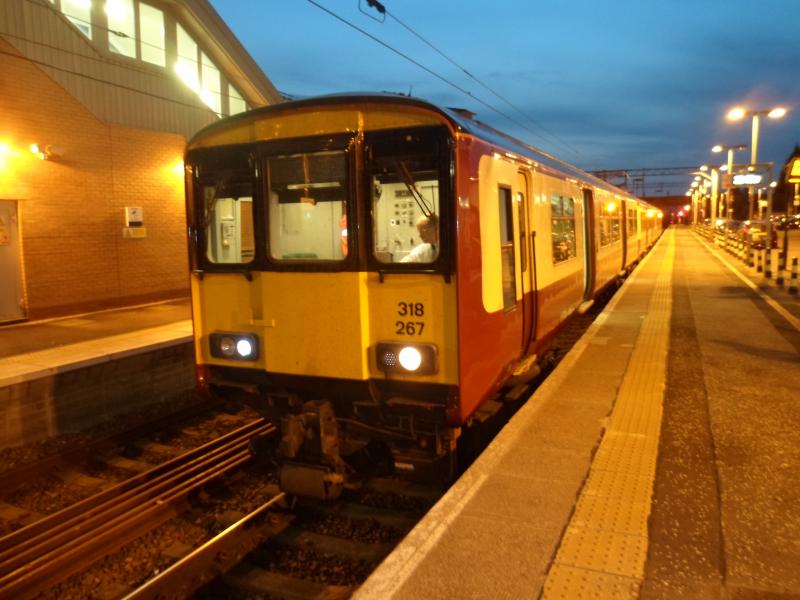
x=411 y=186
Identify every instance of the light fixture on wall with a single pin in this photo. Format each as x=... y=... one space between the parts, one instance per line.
x=45 y=151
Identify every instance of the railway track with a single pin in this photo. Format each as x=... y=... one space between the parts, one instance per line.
x=36 y=557
x=281 y=548
x=311 y=550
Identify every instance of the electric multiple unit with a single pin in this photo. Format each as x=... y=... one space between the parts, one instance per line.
x=369 y=271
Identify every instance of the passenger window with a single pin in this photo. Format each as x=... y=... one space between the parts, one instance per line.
x=405 y=211
x=307 y=203
x=507 y=248
x=562 y=215
x=609 y=224
x=229 y=221
x=632 y=227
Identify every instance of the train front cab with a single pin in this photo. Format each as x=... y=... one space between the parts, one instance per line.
x=303 y=304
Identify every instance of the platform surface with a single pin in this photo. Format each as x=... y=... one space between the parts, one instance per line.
x=659 y=460
x=41 y=348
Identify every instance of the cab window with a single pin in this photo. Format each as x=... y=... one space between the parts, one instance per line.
x=228 y=210
x=307 y=206
x=405 y=209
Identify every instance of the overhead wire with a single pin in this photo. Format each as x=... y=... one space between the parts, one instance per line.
x=414 y=62
x=431 y=71
x=408 y=28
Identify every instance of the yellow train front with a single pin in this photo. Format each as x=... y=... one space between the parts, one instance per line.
x=366 y=271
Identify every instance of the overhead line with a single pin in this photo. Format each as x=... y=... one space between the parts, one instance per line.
x=420 y=65
x=479 y=82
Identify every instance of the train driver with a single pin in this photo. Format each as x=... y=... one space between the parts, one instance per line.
x=426 y=251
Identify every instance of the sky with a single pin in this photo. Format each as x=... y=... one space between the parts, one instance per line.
x=599 y=84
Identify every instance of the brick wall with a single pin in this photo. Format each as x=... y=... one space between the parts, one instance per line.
x=75 y=400
x=72 y=208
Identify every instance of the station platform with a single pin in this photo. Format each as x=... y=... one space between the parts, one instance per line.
x=61 y=375
x=660 y=459
x=32 y=349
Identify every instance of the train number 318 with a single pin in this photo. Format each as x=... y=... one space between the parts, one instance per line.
x=410 y=309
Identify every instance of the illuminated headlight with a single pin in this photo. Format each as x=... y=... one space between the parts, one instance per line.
x=395 y=357
x=234 y=346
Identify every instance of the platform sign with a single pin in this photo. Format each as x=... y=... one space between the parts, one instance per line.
x=742 y=179
x=793 y=172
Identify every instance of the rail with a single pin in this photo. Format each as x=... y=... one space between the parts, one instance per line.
x=40 y=555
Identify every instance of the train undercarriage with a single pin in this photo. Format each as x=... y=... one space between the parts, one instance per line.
x=328 y=441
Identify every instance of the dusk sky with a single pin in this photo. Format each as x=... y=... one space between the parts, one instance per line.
x=601 y=85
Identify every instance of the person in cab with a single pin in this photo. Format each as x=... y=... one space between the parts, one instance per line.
x=426 y=251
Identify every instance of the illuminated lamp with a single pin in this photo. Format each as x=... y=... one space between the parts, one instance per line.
x=45 y=151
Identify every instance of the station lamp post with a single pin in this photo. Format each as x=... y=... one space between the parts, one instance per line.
x=729 y=169
x=710 y=179
x=738 y=113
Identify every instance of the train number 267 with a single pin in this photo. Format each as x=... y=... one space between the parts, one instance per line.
x=410 y=309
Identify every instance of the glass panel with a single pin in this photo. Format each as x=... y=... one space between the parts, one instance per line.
x=121 y=27
x=563 y=228
x=609 y=225
x=152 y=45
x=632 y=228
x=523 y=251
x=211 y=92
x=186 y=64
x=507 y=248
x=308 y=206
x=79 y=13
x=405 y=209
x=236 y=103
x=229 y=220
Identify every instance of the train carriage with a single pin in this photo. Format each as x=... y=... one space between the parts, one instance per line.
x=369 y=270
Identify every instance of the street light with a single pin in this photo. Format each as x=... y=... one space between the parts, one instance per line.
x=702 y=181
x=729 y=169
x=738 y=113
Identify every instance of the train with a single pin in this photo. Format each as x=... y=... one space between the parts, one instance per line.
x=375 y=274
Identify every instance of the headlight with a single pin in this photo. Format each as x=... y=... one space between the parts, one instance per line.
x=234 y=346
x=393 y=357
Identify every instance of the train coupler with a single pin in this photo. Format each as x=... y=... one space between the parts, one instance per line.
x=308 y=453
x=311 y=481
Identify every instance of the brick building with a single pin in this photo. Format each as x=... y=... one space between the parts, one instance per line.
x=97 y=100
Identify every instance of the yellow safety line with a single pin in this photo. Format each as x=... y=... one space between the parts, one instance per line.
x=603 y=550
x=793 y=321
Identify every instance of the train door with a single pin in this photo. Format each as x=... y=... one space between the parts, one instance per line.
x=11 y=292
x=589 y=244
x=526 y=260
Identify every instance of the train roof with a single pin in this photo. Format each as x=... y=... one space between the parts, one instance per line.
x=459 y=120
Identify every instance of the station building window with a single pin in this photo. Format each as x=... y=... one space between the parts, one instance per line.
x=211 y=91
x=121 y=27
x=79 y=13
x=236 y=103
x=138 y=30
x=151 y=26
x=562 y=228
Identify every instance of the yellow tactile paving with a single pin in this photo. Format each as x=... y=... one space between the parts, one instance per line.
x=599 y=512
x=570 y=583
x=603 y=550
